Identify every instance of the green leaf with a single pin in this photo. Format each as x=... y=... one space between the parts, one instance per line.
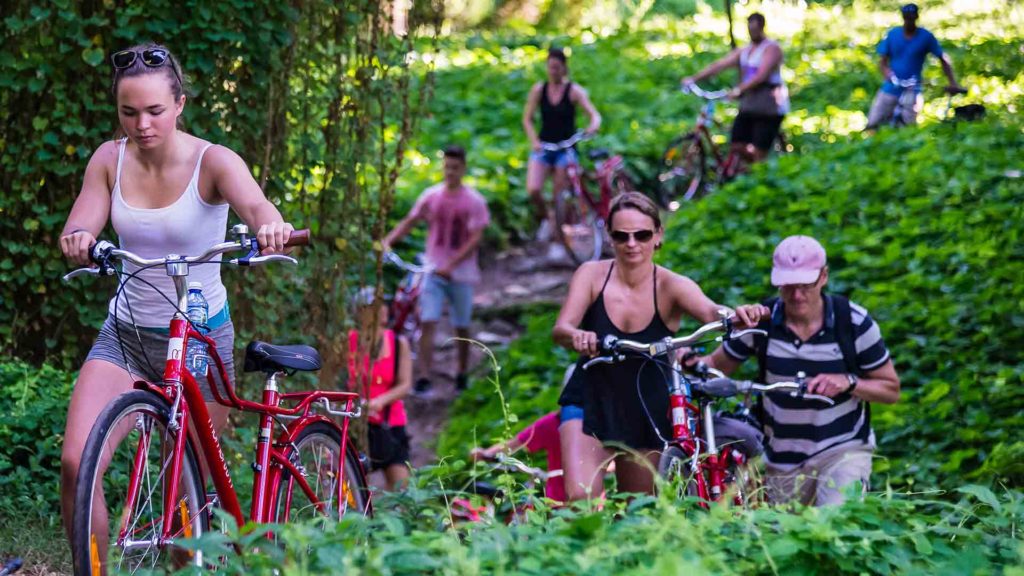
x=983 y=494
x=92 y=56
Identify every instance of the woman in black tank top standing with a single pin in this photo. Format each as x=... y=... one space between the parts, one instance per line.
x=557 y=99
x=629 y=297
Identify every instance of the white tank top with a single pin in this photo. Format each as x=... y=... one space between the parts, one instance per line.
x=187 y=227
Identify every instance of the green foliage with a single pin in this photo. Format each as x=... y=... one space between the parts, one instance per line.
x=530 y=372
x=632 y=77
x=884 y=534
x=33 y=407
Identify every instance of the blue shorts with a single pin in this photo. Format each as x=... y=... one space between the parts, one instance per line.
x=571 y=412
x=559 y=159
x=458 y=294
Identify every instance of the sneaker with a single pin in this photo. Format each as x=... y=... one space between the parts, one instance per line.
x=461 y=382
x=556 y=254
x=422 y=386
x=545 y=231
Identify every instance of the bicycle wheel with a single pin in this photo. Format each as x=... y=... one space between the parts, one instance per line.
x=579 y=227
x=621 y=182
x=122 y=483
x=684 y=177
x=742 y=482
x=674 y=467
x=316 y=452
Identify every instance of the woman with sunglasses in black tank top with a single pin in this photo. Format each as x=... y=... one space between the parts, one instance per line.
x=628 y=297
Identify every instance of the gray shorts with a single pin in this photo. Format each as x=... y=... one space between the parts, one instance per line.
x=884 y=105
x=153 y=347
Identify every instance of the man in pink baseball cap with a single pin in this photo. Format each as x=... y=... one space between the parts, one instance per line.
x=814 y=449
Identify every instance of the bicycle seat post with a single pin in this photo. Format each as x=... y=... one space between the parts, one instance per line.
x=271 y=397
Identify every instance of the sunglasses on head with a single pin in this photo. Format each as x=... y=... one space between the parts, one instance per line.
x=152 y=57
x=641 y=236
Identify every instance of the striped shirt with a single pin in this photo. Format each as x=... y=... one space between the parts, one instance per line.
x=796 y=429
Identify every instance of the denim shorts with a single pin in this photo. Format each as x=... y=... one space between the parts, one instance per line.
x=559 y=159
x=571 y=412
x=146 y=359
x=436 y=291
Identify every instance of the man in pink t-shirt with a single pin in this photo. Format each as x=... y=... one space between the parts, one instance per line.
x=456 y=216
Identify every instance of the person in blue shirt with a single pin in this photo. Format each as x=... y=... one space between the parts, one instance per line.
x=902 y=54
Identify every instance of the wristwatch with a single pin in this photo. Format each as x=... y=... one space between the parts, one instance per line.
x=852 y=379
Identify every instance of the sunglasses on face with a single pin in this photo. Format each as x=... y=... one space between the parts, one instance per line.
x=152 y=57
x=622 y=237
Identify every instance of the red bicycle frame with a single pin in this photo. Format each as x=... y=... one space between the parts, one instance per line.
x=710 y=468
x=403 y=306
x=605 y=173
x=727 y=167
x=270 y=463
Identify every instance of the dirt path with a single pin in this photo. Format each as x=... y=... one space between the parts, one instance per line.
x=510 y=280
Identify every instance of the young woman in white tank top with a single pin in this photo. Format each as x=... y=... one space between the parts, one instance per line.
x=164 y=191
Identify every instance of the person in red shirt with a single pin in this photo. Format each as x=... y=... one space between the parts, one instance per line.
x=380 y=368
x=540 y=436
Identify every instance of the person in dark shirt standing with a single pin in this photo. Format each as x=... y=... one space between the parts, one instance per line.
x=902 y=54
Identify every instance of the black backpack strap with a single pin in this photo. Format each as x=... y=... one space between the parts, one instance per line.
x=845 y=333
x=762 y=350
x=846 y=337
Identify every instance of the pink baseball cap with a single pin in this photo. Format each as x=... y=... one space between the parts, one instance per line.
x=797 y=260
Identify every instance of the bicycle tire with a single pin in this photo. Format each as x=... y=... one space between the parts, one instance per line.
x=131 y=414
x=684 y=175
x=673 y=467
x=357 y=496
x=579 y=227
x=742 y=484
x=621 y=182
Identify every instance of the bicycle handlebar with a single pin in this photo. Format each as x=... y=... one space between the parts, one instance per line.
x=565 y=144
x=396 y=260
x=510 y=464
x=617 y=347
x=692 y=88
x=908 y=83
x=723 y=387
x=103 y=252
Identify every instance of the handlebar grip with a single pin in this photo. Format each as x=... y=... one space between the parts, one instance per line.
x=298 y=238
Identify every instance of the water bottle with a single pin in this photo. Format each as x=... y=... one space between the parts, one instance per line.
x=196 y=359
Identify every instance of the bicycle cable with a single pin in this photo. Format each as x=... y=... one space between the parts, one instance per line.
x=123 y=281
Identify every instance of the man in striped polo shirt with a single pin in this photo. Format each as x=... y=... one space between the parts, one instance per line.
x=812 y=449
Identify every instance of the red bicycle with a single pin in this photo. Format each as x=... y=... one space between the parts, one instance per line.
x=704 y=463
x=403 y=312
x=579 y=215
x=693 y=163
x=140 y=488
x=479 y=503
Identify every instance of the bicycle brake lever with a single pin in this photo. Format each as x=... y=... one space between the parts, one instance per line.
x=247 y=261
x=742 y=333
x=820 y=398
x=87 y=271
x=600 y=360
